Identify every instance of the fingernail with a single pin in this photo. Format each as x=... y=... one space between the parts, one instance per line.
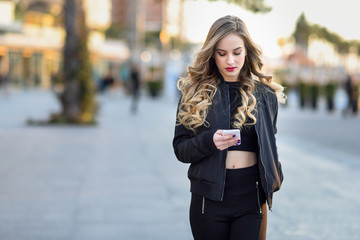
x=234 y=135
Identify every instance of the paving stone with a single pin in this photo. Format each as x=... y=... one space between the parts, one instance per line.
x=121 y=180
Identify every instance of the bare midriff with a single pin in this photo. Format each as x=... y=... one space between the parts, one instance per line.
x=240 y=159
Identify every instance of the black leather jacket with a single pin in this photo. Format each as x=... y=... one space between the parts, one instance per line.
x=207 y=170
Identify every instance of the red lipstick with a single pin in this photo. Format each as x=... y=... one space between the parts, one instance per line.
x=230 y=69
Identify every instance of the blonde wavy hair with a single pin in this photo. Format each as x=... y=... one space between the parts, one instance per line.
x=199 y=85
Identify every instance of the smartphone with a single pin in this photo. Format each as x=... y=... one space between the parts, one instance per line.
x=232 y=132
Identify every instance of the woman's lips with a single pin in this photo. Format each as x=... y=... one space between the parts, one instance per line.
x=230 y=69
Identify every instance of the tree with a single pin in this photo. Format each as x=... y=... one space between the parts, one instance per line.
x=304 y=29
x=302 y=32
x=78 y=98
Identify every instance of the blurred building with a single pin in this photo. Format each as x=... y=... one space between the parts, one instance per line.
x=141 y=22
x=320 y=63
x=147 y=13
x=119 y=13
x=32 y=37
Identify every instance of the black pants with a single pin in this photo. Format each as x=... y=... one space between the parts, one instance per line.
x=238 y=216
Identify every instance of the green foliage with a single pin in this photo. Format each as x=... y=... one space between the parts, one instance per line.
x=330 y=89
x=314 y=95
x=153 y=38
x=155 y=87
x=303 y=89
x=314 y=90
x=115 y=32
x=155 y=83
x=323 y=33
x=308 y=94
x=303 y=30
x=304 y=92
x=19 y=11
x=280 y=76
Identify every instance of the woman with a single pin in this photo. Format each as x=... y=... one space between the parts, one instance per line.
x=231 y=179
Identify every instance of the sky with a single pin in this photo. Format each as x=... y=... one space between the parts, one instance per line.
x=341 y=17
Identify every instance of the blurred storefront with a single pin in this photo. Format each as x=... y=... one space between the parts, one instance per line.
x=31 y=47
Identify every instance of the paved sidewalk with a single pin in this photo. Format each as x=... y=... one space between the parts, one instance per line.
x=120 y=180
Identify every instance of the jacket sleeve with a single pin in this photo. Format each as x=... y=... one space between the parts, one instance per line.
x=190 y=147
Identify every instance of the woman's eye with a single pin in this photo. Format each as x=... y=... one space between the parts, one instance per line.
x=237 y=53
x=221 y=54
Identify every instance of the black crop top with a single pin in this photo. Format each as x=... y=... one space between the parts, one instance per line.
x=249 y=141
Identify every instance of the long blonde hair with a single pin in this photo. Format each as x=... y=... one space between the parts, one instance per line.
x=199 y=85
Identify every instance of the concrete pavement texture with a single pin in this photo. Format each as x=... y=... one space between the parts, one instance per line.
x=121 y=180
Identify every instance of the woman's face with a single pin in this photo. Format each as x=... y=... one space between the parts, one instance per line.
x=229 y=56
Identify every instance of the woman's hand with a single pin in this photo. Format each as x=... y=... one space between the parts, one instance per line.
x=223 y=142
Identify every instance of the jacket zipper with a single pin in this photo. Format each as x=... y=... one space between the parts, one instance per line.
x=203 y=206
x=228 y=98
x=223 y=190
x=258 y=196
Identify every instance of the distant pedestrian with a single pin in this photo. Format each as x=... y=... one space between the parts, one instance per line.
x=231 y=177
x=134 y=88
x=1 y=80
x=351 y=92
x=355 y=105
x=106 y=82
x=4 y=82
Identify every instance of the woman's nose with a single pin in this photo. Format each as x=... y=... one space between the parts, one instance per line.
x=230 y=59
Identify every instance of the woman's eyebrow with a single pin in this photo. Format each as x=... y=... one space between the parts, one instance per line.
x=219 y=49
